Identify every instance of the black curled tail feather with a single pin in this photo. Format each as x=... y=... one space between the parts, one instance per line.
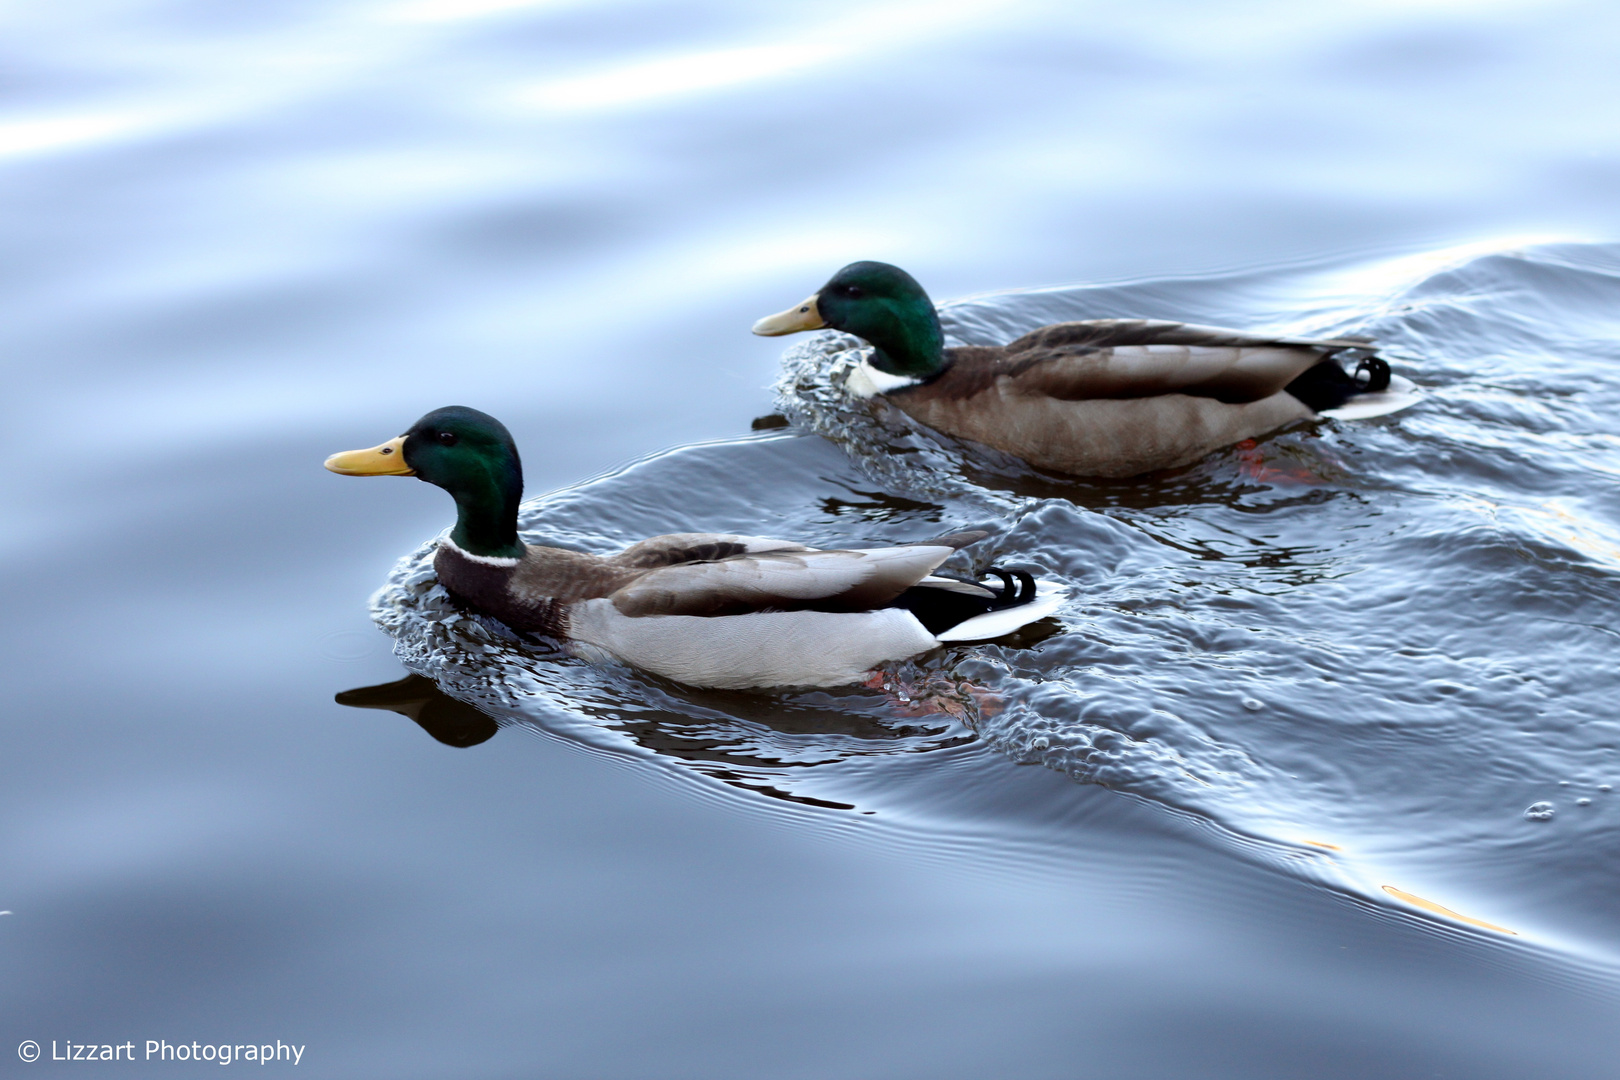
x=1376 y=369
x=1017 y=587
x=1327 y=385
x=940 y=609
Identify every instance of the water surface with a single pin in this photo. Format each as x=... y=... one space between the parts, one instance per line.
x=240 y=239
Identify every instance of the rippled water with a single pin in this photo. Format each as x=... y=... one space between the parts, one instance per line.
x=1382 y=640
x=240 y=238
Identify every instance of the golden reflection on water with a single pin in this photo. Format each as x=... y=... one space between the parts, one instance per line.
x=1431 y=906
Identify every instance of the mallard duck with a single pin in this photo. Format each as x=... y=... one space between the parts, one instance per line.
x=1107 y=397
x=710 y=610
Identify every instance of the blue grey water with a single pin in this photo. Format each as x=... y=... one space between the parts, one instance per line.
x=1197 y=826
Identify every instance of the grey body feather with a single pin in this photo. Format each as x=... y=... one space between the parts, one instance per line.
x=849 y=580
x=1116 y=397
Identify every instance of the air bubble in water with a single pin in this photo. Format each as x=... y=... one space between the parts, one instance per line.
x=1583 y=802
x=1541 y=811
x=1253 y=704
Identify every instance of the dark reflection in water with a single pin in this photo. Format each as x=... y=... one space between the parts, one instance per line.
x=1254 y=476
x=452 y=722
x=758 y=743
x=744 y=740
x=880 y=506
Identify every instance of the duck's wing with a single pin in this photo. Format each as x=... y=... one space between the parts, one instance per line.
x=673 y=549
x=783 y=580
x=1135 y=358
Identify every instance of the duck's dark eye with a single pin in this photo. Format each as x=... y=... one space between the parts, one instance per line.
x=854 y=292
x=448 y=438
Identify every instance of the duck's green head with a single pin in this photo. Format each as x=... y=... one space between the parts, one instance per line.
x=879 y=303
x=468 y=453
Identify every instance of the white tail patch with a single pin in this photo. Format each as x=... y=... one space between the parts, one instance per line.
x=1401 y=393
x=1049 y=596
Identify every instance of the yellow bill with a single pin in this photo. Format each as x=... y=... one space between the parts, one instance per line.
x=385 y=460
x=803 y=316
